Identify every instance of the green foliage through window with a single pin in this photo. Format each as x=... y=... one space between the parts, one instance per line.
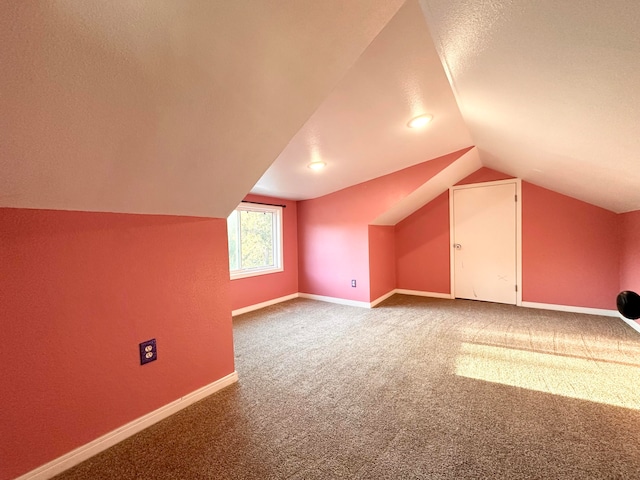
x=255 y=245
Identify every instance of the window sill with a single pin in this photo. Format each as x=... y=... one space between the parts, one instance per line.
x=255 y=273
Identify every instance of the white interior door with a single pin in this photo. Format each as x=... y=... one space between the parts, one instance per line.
x=485 y=243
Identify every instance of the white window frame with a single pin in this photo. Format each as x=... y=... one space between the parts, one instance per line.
x=278 y=249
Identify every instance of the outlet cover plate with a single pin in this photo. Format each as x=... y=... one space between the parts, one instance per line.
x=148 y=351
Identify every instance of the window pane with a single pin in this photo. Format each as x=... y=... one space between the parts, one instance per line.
x=232 y=232
x=257 y=239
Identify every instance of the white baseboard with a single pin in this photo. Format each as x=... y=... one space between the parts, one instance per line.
x=322 y=298
x=100 y=444
x=420 y=293
x=354 y=303
x=570 y=308
x=632 y=323
x=382 y=298
x=341 y=301
x=258 y=306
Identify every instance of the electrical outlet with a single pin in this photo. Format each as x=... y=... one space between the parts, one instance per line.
x=148 y=351
x=353 y=283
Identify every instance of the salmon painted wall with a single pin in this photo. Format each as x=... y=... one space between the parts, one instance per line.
x=262 y=288
x=422 y=241
x=333 y=230
x=570 y=250
x=482 y=175
x=331 y=254
x=422 y=248
x=630 y=251
x=80 y=291
x=382 y=264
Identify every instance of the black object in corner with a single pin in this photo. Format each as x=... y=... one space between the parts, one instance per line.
x=628 y=304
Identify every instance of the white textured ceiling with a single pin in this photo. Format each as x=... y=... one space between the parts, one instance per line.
x=180 y=107
x=550 y=90
x=171 y=107
x=360 y=130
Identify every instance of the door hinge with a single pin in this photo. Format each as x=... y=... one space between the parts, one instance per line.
x=516 y=197
x=516 y=288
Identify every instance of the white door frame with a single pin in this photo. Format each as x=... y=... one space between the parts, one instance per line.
x=452 y=269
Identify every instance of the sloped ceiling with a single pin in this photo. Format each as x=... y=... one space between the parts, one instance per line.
x=450 y=175
x=171 y=107
x=550 y=90
x=181 y=107
x=360 y=129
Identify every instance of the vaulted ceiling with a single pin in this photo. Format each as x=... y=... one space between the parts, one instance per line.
x=170 y=107
x=184 y=107
x=549 y=90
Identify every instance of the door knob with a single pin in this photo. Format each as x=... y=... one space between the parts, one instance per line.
x=457 y=246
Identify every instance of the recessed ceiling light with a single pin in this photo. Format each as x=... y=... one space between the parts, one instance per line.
x=316 y=165
x=419 y=121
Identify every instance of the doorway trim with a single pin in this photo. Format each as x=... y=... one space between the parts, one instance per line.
x=518 y=184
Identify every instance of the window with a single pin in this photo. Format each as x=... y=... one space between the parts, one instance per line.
x=255 y=240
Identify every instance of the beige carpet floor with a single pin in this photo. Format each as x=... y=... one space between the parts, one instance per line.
x=416 y=388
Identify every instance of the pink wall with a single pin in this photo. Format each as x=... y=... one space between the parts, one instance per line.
x=422 y=248
x=382 y=264
x=422 y=241
x=482 y=175
x=630 y=251
x=333 y=230
x=254 y=290
x=328 y=270
x=80 y=291
x=570 y=250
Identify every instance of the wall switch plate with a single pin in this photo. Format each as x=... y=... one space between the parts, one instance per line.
x=148 y=351
x=353 y=283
